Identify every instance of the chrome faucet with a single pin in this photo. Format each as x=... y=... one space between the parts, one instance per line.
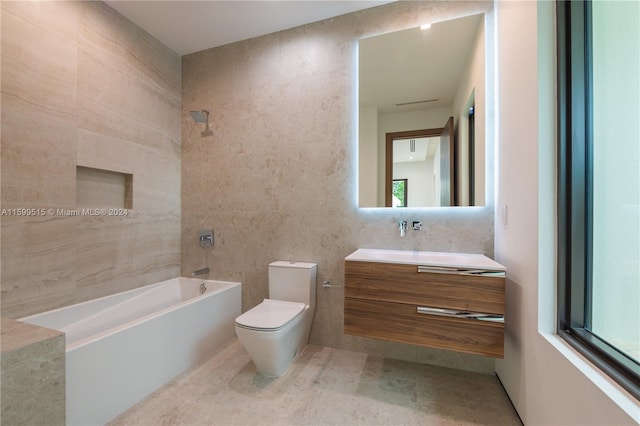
x=402 y=226
x=206 y=238
x=200 y=272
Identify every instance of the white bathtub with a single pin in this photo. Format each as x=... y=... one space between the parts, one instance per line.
x=120 y=348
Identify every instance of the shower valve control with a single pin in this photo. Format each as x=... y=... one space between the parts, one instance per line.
x=206 y=238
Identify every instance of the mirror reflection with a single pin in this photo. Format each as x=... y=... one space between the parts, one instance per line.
x=421 y=116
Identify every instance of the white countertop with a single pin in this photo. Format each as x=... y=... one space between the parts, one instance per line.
x=426 y=258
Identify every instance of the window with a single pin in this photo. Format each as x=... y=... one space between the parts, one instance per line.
x=399 y=190
x=599 y=184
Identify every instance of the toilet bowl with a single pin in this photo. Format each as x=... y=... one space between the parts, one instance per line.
x=275 y=331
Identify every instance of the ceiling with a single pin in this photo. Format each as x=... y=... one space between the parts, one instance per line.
x=415 y=65
x=191 y=26
x=424 y=149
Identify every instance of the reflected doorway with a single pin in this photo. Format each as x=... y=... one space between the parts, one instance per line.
x=425 y=159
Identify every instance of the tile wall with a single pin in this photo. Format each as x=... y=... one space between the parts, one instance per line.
x=276 y=180
x=82 y=86
x=32 y=375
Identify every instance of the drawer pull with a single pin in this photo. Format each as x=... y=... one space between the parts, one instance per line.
x=459 y=271
x=459 y=314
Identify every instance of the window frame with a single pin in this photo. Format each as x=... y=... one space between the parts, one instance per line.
x=575 y=189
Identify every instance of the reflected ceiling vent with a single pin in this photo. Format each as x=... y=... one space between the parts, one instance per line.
x=418 y=102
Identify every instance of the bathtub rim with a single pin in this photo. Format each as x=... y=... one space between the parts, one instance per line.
x=224 y=285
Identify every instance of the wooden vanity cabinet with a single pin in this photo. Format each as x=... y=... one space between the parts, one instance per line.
x=454 y=309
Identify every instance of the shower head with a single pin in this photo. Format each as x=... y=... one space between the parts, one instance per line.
x=201 y=116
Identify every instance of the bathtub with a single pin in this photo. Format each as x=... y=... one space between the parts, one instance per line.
x=122 y=347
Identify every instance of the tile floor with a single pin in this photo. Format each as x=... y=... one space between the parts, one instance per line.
x=325 y=386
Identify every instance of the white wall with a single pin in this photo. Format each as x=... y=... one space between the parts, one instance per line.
x=548 y=382
x=472 y=83
x=368 y=157
x=420 y=182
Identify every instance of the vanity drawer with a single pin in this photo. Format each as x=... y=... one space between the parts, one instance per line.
x=403 y=283
x=403 y=323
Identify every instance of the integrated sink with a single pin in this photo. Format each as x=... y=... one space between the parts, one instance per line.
x=427 y=258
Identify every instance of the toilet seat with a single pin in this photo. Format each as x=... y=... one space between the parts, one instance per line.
x=270 y=315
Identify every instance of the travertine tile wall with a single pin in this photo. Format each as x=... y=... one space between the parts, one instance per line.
x=277 y=179
x=81 y=85
x=32 y=375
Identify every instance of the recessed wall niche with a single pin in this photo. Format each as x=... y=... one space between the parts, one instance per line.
x=103 y=188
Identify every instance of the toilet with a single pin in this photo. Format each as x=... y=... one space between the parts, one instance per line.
x=276 y=331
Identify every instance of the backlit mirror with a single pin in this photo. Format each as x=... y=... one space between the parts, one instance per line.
x=422 y=116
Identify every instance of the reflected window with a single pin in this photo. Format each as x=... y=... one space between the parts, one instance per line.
x=399 y=190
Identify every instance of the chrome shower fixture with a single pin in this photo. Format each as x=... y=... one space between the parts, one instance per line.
x=201 y=116
x=206 y=238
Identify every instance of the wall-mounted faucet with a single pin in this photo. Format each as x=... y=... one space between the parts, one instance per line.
x=206 y=238
x=202 y=271
x=402 y=226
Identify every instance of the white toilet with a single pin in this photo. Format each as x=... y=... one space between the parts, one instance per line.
x=276 y=331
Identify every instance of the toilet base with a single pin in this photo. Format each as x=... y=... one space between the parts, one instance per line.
x=273 y=352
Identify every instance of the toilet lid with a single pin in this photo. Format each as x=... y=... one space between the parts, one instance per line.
x=270 y=314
